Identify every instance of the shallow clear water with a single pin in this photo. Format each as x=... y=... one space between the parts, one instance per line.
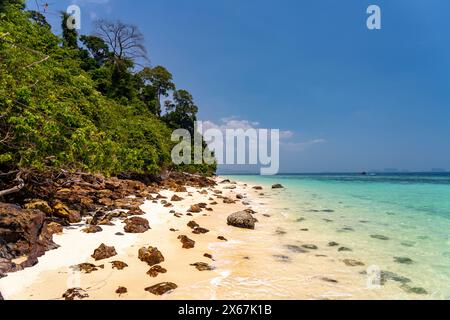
x=380 y=218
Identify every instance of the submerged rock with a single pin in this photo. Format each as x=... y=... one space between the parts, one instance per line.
x=136 y=225
x=277 y=186
x=75 y=294
x=88 y=267
x=242 y=219
x=104 y=252
x=387 y=275
x=202 y=266
x=150 y=255
x=155 y=270
x=329 y=280
x=282 y=258
x=333 y=244
x=342 y=249
x=162 y=288
x=403 y=260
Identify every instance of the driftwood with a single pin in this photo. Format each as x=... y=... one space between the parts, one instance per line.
x=17 y=188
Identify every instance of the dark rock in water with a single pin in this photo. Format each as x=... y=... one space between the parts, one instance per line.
x=267 y=215
x=257 y=188
x=277 y=186
x=136 y=225
x=221 y=238
x=119 y=234
x=119 y=265
x=310 y=246
x=162 y=288
x=75 y=294
x=328 y=211
x=379 y=237
x=387 y=275
x=87 y=267
x=333 y=244
x=150 y=255
x=353 y=263
x=155 y=270
x=280 y=232
x=342 y=249
x=328 y=220
x=295 y=249
x=104 y=252
x=121 y=290
x=23 y=233
x=242 y=219
x=282 y=258
x=304 y=230
x=416 y=290
x=202 y=266
x=187 y=243
x=300 y=220
x=92 y=229
x=329 y=280
x=403 y=260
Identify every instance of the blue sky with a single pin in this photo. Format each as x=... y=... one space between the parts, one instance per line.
x=347 y=98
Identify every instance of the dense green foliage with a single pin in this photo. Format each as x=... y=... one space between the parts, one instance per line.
x=62 y=105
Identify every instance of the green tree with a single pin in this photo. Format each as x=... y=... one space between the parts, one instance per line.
x=158 y=82
x=70 y=35
x=182 y=112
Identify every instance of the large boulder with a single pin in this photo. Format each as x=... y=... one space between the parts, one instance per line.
x=136 y=225
x=242 y=219
x=23 y=232
x=151 y=255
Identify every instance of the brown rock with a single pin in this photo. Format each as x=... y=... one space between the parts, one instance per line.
x=104 y=252
x=228 y=201
x=353 y=263
x=277 y=186
x=119 y=265
x=23 y=232
x=239 y=196
x=202 y=266
x=162 y=288
x=181 y=189
x=187 y=243
x=75 y=294
x=209 y=256
x=200 y=230
x=54 y=228
x=257 y=188
x=155 y=270
x=242 y=219
x=151 y=255
x=121 y=290
x=136 y=212
x=221 y=238
x=136 y=225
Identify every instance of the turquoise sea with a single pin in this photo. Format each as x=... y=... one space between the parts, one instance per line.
x=398 y=222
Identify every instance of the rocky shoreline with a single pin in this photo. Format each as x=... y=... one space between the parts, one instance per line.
x=52 y=201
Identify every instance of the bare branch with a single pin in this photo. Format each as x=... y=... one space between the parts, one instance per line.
x=15 y=189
